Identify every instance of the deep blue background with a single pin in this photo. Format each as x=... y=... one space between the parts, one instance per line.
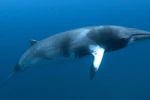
x=123 y=75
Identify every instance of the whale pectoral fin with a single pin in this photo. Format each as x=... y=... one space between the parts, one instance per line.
x=98 y=53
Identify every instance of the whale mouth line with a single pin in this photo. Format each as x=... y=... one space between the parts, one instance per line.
x=140 y=36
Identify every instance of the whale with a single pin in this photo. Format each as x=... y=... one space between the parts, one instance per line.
x=75 y=44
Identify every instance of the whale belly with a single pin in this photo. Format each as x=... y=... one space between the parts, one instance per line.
x=54 y=61
x=63 y=59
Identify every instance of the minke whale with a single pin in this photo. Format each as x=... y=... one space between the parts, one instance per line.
x=75 y=44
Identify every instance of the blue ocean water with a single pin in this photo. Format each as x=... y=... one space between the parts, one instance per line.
x=123 y=75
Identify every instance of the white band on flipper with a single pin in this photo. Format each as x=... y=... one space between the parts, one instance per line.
x=98 y=53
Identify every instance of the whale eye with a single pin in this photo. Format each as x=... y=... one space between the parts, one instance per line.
x=131 y=40
x=125 y=40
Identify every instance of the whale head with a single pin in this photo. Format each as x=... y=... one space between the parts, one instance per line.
x=113 y=38
x=137 y=35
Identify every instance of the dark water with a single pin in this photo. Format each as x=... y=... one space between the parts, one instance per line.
x=123 y=75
